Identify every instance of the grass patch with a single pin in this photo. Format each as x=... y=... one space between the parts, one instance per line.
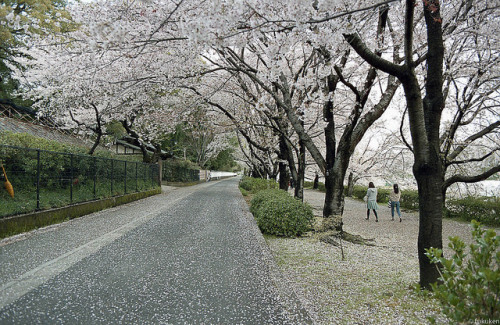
x=26 y=222
x=25 y=199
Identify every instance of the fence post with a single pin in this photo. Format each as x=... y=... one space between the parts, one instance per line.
x=95 y=176
x=71 y=179
x=160 y=171
x=125 y=178
x=38 y=179
x=112 y=177
x=136 y=177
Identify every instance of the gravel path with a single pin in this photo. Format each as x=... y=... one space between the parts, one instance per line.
x=373 y=285
x=190 y=256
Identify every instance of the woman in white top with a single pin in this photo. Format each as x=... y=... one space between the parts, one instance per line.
x=395 y=196
x=371 y=201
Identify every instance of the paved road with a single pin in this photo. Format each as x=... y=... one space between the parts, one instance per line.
x=189 y=256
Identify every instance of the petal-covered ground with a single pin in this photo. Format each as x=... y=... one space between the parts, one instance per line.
x=373 y=285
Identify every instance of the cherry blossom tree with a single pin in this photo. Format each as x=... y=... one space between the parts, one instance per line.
x=426 y=112
x=288 y=62
x=100 y=73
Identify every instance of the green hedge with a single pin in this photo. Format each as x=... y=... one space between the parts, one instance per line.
x=409 y=199
x=254 y=185
x=183 y=171
x=483 y=209
x=278 y=213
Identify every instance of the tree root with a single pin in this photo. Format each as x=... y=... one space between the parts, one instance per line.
x=333 y=237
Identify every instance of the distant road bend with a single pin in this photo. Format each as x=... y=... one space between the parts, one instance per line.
x=189 y=256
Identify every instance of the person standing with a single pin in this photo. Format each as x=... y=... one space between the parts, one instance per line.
x=371 y=201
x=395 y=196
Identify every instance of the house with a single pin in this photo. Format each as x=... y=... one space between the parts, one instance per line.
x=128 y=145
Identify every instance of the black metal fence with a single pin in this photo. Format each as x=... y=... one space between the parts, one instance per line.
x=45 y=179
x=175 y=173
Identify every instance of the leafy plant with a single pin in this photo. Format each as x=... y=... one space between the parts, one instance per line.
x=484 y=209
x=470 y=288
x=278 y=213
x=254 y=185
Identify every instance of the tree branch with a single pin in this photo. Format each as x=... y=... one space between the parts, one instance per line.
x=372 y=58
x=470 y=179
x=472 y=138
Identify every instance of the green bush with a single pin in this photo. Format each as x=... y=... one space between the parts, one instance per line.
x=278 y=213
x=265 y=195
x=483 y=209
x=178 y=170
x=359 y=192
x=383 y=195
x=243 y=192
x=254 y=185
x=409 y=199
x=470 y=284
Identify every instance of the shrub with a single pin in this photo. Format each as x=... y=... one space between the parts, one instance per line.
x=409 y=200
x=254 y=185
x=25 y=140
x=243 y=192
x=383 y=195
x=359 y=192
x=178 y=170
x=278 y=213
x=483 y=209
x=265 y=195
x=470 y=284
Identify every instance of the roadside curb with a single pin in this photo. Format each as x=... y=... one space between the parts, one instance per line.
x=285 y=289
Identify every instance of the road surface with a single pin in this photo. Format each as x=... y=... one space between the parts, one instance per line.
x=189 y=256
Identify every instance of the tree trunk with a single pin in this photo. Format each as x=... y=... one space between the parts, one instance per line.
x=430 y=198
x=332 y=212
x=299 y=182
x=428 y=173
x=425 y=119
x=350 y=184
x=284 y=177
x=283 y=166
x=96 y=142
x=316 y=182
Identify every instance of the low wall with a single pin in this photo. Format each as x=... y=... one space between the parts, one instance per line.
x=18 y=224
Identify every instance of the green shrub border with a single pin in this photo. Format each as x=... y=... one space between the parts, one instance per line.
x=22 y=223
